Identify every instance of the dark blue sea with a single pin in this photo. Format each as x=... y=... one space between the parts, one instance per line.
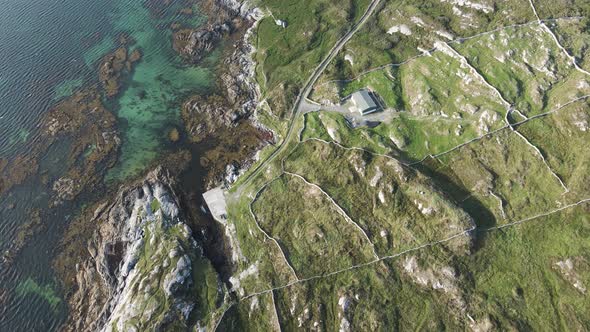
x=48 y=50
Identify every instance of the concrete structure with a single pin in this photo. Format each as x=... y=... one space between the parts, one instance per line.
x=281 y=23
x=363 y=102
x=215 y=200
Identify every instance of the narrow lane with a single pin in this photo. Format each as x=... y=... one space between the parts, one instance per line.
x=299 y=102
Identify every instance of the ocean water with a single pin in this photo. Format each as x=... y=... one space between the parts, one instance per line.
x=150 y=106
x=48 y=49
x=38 y=51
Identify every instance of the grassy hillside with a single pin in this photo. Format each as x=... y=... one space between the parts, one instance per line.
x=473 y=194
x=286 y=56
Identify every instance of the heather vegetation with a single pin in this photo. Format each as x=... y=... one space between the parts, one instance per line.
x=466 y=209
x=403 y=29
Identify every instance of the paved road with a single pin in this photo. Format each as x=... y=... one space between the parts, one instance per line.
x=306 y=107
x=355 y=118
x=300 y=102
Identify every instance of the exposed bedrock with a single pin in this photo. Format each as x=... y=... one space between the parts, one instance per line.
x=141 y=269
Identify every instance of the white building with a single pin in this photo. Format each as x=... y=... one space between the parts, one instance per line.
x=363 y=102
x=281 y=23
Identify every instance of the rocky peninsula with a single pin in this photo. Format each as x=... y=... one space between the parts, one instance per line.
x=142 y=268
x=142 y=261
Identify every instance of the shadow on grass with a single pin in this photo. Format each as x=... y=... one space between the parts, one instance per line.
x=481 y=215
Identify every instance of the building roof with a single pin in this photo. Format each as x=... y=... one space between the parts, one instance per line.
x=363 y=101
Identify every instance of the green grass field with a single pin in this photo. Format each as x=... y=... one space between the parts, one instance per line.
x=286 y=56
x=525 y=276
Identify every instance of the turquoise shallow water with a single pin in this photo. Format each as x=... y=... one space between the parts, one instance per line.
x=151 y=103
x=48 y=50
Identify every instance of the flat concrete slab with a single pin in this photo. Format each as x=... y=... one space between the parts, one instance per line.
x=215 y=200
x=356 y=119
x=308 y=106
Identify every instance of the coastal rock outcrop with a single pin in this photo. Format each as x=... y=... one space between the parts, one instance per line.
x=237 y=94
x=226 y=114
x=237 y=98
x=225 y=18
x=113 y=66
x=195 y=45
x=143 y=269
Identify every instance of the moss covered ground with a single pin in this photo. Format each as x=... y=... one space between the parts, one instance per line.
x=316 y=236
x=560 y=8
x=524 y=64
x=397 y=207
x=574 y=36
x=561 y=138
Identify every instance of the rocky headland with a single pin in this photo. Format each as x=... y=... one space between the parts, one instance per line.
x=141 y=269
x=136 y=259
x=143 y=261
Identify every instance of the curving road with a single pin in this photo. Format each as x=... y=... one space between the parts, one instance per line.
x=300 y=101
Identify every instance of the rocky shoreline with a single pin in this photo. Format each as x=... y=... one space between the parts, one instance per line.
x=141 y=261
x=228 y=113
x=111 y=273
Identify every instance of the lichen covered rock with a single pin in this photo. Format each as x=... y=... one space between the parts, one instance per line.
x=145 y=270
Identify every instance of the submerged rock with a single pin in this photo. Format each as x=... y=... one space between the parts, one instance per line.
x=174 y=135
x=3 y=300
x=83 y=118
x=16 y=171
x=25 y=231
x=113 y=66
